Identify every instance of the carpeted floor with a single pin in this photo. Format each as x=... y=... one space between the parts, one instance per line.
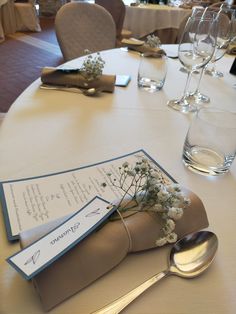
x=22 y=56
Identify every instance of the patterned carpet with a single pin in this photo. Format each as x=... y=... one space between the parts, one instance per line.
x=22 y=56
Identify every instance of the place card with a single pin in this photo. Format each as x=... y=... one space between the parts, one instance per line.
x=39 y=255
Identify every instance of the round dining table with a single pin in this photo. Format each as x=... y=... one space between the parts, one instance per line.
x=163 y=20
x=49 y=131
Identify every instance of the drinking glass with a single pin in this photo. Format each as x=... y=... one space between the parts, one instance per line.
x=195 y=51
x=152 y=71
x=210 y=144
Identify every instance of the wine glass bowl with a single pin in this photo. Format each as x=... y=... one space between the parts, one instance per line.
x=225 y=33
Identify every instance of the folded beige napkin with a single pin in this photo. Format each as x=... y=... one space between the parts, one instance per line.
x=141 y=46
x=190 y=5
x=104 y=249
x=186 y=6
x=232 y=49
x=69 y=78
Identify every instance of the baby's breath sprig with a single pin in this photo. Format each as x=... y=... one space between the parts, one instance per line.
x=92 y=66
x=148 y=190
x=153 y=41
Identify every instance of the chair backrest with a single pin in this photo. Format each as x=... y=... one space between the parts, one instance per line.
x=80 y=26
x=117 y=10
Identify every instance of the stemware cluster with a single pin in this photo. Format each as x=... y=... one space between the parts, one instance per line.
x=205 y=39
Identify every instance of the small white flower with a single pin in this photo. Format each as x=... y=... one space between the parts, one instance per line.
x=173 y=188
x=162 y=195
x=169 y=226
x=176 y=203
x=153 y=182
x=153 y=41
x=171 y=237
x=175 y=213
x=161 y=241
x=154 y=173
x=159 y=208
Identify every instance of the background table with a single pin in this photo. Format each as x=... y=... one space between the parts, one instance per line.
x=50 y=131
x=145 y=19
x=17 y=17
x=7 y=18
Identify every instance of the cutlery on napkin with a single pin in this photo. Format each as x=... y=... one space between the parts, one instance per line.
x=104 y=249
x=73 y=78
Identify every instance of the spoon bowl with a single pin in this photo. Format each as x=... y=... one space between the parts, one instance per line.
x=193 y=254
x=189 y=257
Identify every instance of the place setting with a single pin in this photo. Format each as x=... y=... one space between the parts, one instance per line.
x=110 y=183
x=153 y=212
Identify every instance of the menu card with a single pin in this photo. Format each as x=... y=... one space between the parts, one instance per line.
x=30 y=202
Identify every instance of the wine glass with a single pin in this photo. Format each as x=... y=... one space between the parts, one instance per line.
x=226 y=21
x=197 y=96
x=194 y=52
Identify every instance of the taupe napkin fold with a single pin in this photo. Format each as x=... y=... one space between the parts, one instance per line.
x=69 y=78
x=104 y=249
x=232 y=49
x=147 y=49
x=141 y=47
x=190 y=5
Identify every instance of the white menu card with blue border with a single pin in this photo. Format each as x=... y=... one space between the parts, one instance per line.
x=30 y=202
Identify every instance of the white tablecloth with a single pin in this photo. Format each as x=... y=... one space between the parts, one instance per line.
x=143 y=20
x=50 y=131
x=16 y=16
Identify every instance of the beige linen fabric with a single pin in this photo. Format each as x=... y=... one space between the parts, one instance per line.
x=55 y=76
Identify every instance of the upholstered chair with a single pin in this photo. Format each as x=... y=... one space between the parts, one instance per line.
x=82 y=25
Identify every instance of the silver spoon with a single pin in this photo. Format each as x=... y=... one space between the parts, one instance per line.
x=87 y=92
x=189 y=257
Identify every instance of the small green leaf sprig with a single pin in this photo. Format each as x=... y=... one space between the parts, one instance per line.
x=92 y=66
x=153 y=41
x=148 y=190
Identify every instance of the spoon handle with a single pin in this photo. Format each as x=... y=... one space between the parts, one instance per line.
x=61 y=88
x=118 y=305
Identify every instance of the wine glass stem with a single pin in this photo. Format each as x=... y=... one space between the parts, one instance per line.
x=213 y=69
x=189 y=74
x=199 y=81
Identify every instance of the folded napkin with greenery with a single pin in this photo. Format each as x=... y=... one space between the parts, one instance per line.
x=151 y=45
x=154 y=214
x=88 y=76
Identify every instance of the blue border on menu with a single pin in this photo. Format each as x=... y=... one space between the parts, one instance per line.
x=11 y=237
